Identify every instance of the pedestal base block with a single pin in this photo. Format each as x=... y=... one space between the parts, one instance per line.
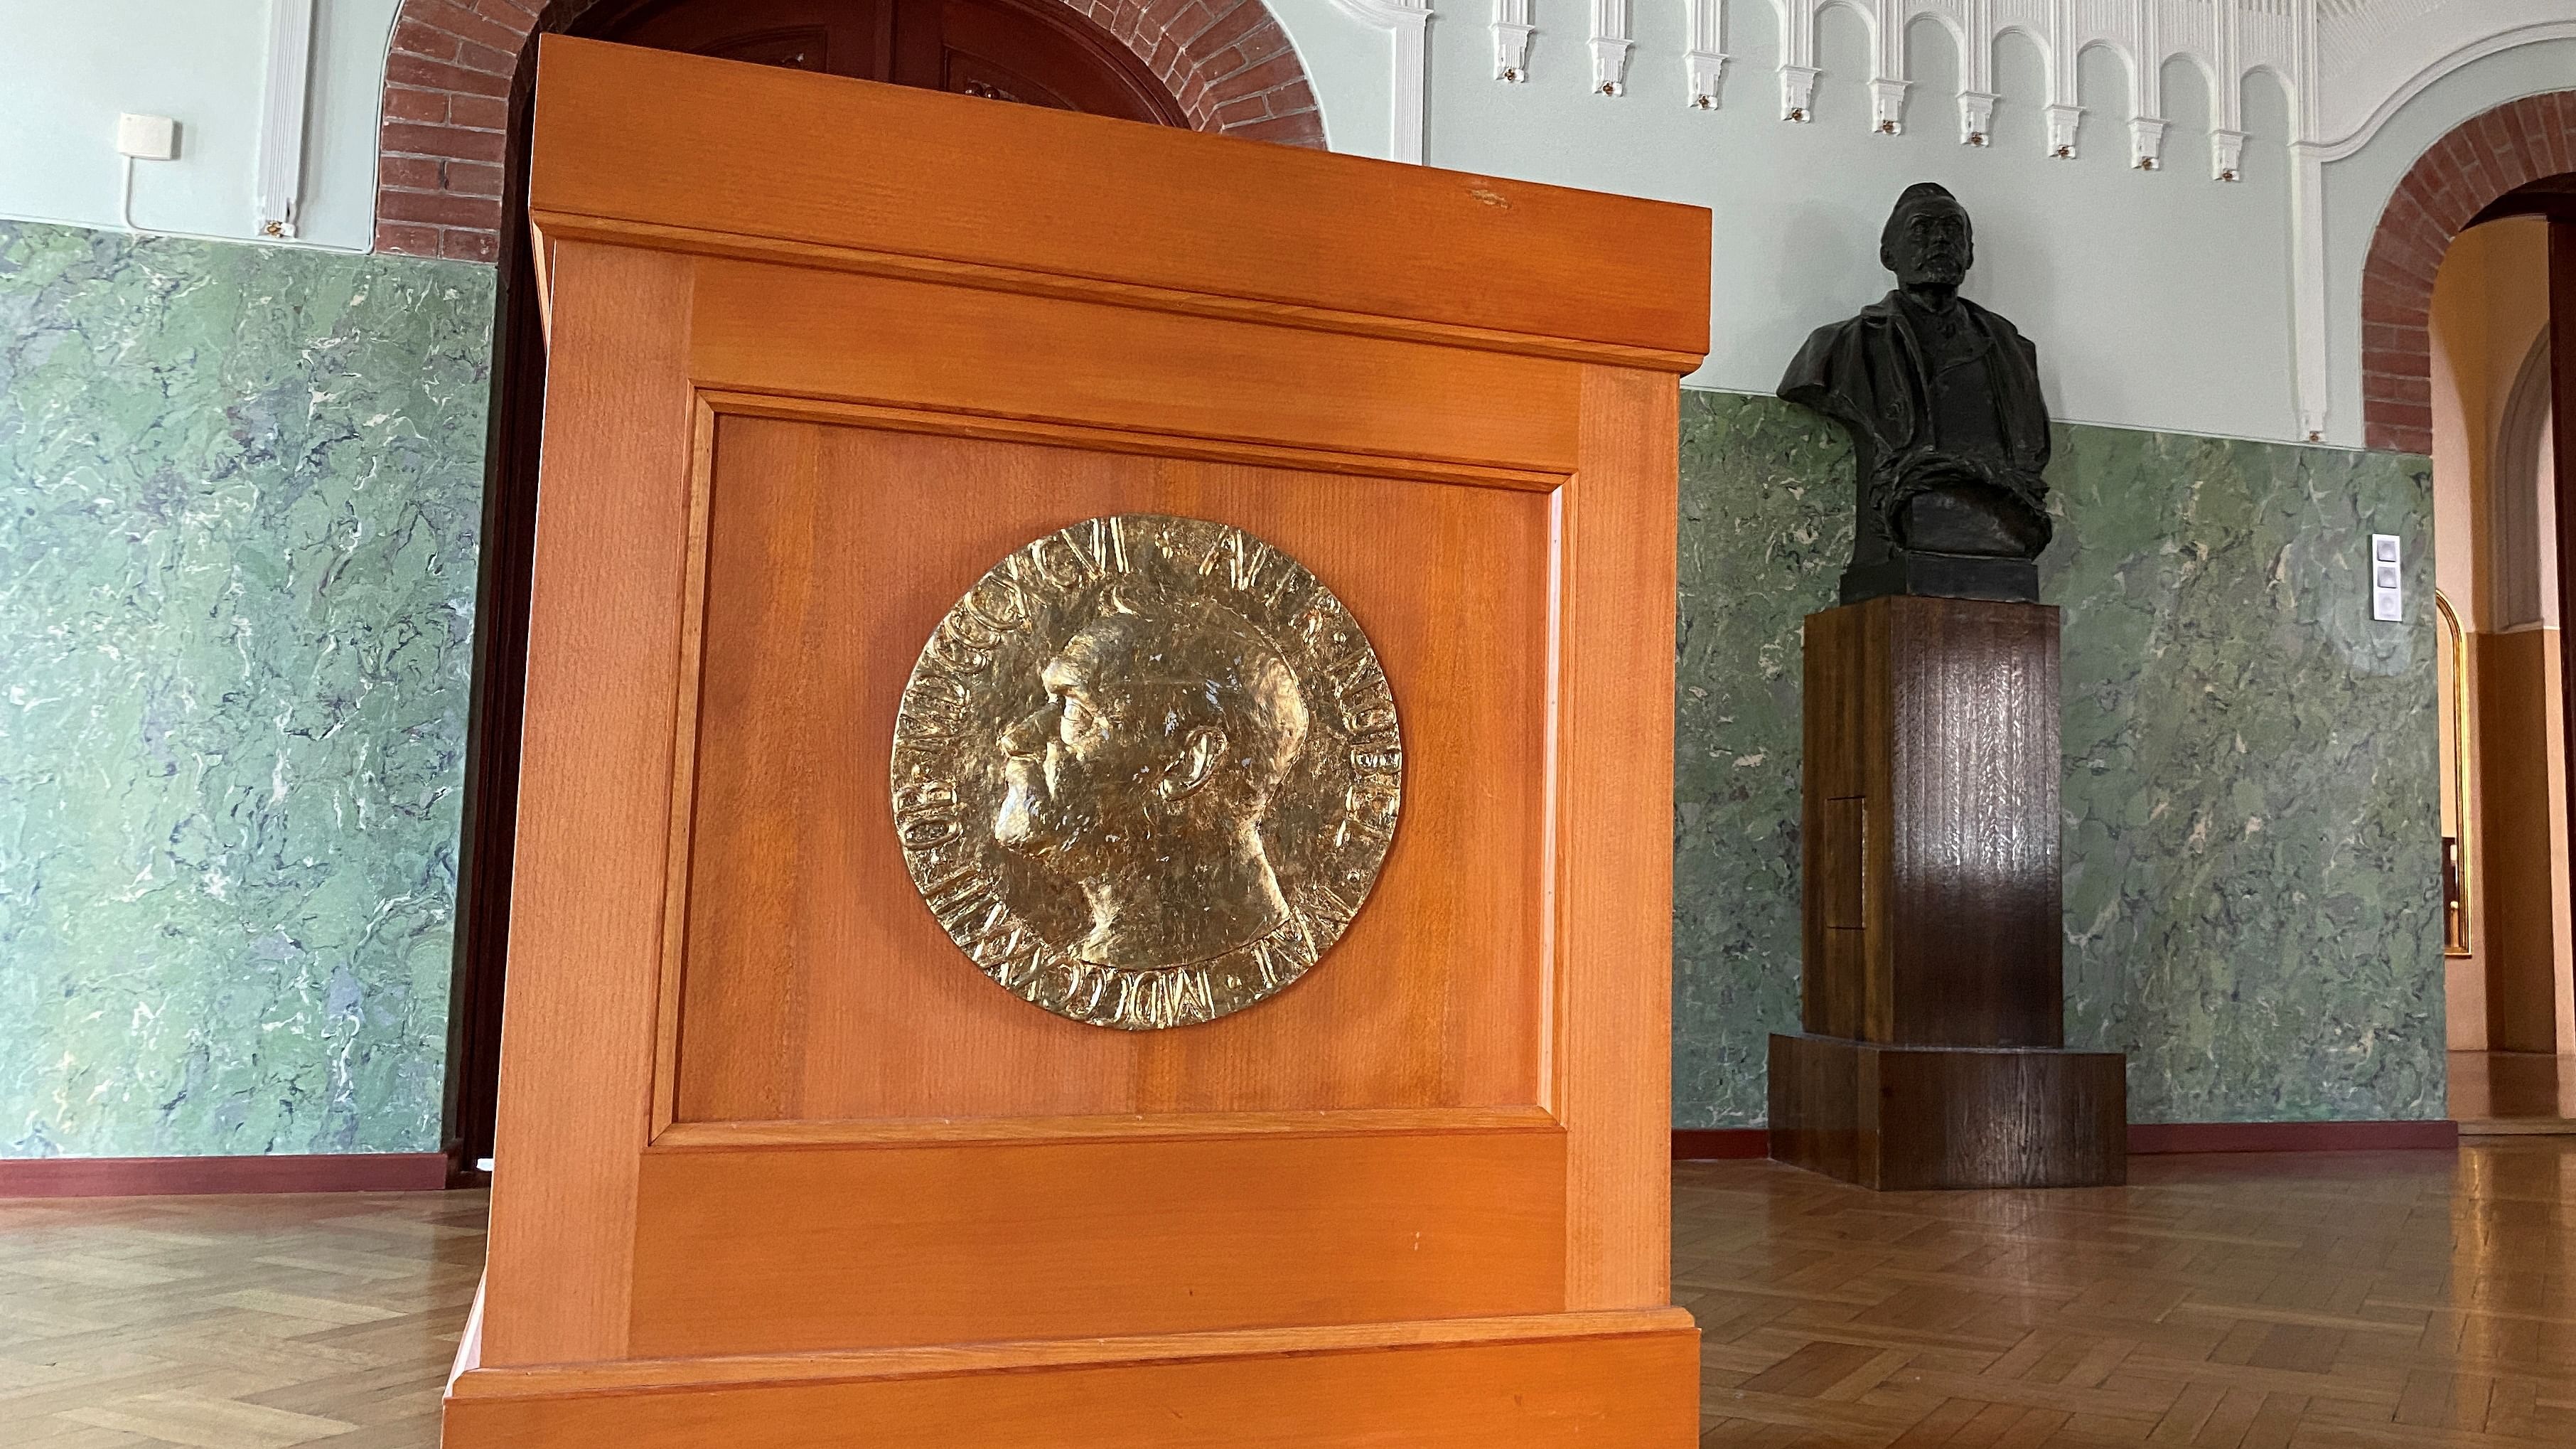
x=1900 y=1118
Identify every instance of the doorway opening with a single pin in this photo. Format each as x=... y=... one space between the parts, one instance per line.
x=2501 y=551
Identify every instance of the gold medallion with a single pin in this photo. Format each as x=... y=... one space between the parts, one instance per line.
x=1146 y=771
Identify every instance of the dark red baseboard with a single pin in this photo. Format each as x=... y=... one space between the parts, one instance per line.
x=164 y=1176
x=2153 y=1138
x=1717 y=1144
x=2149 y=1139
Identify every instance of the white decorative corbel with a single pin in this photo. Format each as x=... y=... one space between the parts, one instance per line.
x=1512 y=30
x=2146 y=143
x=2227 y=155
x=1798 y=92
x=2063 y=122
x=1798 y=60
x=277 y=188
x=1405 y=22
x=1887 y=106
x=1976 y=118
x=1706 y=57
x=1611 y=41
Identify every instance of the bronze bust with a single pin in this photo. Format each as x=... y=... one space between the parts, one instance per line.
x=1941 y=398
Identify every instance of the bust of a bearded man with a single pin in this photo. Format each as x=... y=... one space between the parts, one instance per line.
x=1941 y=398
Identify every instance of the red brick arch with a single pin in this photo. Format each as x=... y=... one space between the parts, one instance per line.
x=2484 y=157
x=447 y=89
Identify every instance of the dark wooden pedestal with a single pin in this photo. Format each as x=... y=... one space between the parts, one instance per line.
x=1906 y=1117
x=1932 y=993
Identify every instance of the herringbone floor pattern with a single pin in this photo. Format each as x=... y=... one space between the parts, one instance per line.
x=232 y=1323
x=2376 y=1301
x=2334 y=1301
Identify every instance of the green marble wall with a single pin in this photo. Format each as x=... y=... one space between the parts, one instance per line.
x=238 y=494
x=2251 y=824
x=239 y=488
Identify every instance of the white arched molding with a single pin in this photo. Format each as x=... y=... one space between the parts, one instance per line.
x=1406 y=23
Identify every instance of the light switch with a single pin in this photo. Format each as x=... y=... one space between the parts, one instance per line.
x=2387 y=580
x=147 y=138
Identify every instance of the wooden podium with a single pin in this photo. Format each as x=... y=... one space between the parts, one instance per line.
x=1933 y=989
x=778 y=1166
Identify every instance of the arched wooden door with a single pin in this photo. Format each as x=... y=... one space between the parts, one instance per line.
x=1034 y=52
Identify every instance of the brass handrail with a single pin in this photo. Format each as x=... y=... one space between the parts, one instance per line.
x=2455 y=910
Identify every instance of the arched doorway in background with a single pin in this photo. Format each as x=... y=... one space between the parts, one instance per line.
x=1234 y=72
x=2469 y=322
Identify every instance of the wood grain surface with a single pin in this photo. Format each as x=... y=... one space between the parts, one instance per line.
x=964 y=350
x=755 y=1101
x=1082 y=198
x=1931 y=809
x=971 y=1242
x=2348 y=1300
x=817 y=985
x=1626 y=1384
x=1911 y=1118
x=578 y=1037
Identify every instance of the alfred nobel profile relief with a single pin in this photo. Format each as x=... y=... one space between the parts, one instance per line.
x=1942 y=401
x=1145 y=776
x=1146 y=771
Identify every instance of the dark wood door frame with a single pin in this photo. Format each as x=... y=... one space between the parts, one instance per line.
x=489 y=829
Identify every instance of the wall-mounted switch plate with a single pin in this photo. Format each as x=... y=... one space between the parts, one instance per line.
x=2387 y=579
x=147 y=138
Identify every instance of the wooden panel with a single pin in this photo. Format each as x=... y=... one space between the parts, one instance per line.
x=2522 y=850
x=740 y=152
x=965 y=1243
x=2561 y=1011
x=1940 y=716
x=1612 y=1083
x=577 y=1043
x=818 y=986
x=1978 y=917
x=1843 y=984
x=788 y=330
x=1108 y=1127
x=1907 y=1118
x=1579 y=1381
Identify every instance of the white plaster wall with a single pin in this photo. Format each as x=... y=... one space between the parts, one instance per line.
x=2157 y=299
x=68 y=67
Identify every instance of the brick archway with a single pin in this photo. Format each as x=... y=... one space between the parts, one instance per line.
x=447 y=99
x=2479 y=161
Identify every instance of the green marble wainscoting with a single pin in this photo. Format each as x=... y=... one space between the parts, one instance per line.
x=2252 y=844
x=239 y=491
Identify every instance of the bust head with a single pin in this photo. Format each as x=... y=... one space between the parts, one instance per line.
x=1928 y=241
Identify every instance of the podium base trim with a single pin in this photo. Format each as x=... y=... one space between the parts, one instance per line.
x=1612 y=1378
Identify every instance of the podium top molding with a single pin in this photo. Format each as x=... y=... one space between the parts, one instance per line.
x=652 y=148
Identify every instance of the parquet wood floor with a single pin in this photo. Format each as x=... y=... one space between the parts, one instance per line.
x=2325 y=1301
x=232 y=1322
x=2329 y=1301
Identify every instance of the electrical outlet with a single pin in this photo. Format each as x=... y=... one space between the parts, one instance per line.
x=147 y=138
